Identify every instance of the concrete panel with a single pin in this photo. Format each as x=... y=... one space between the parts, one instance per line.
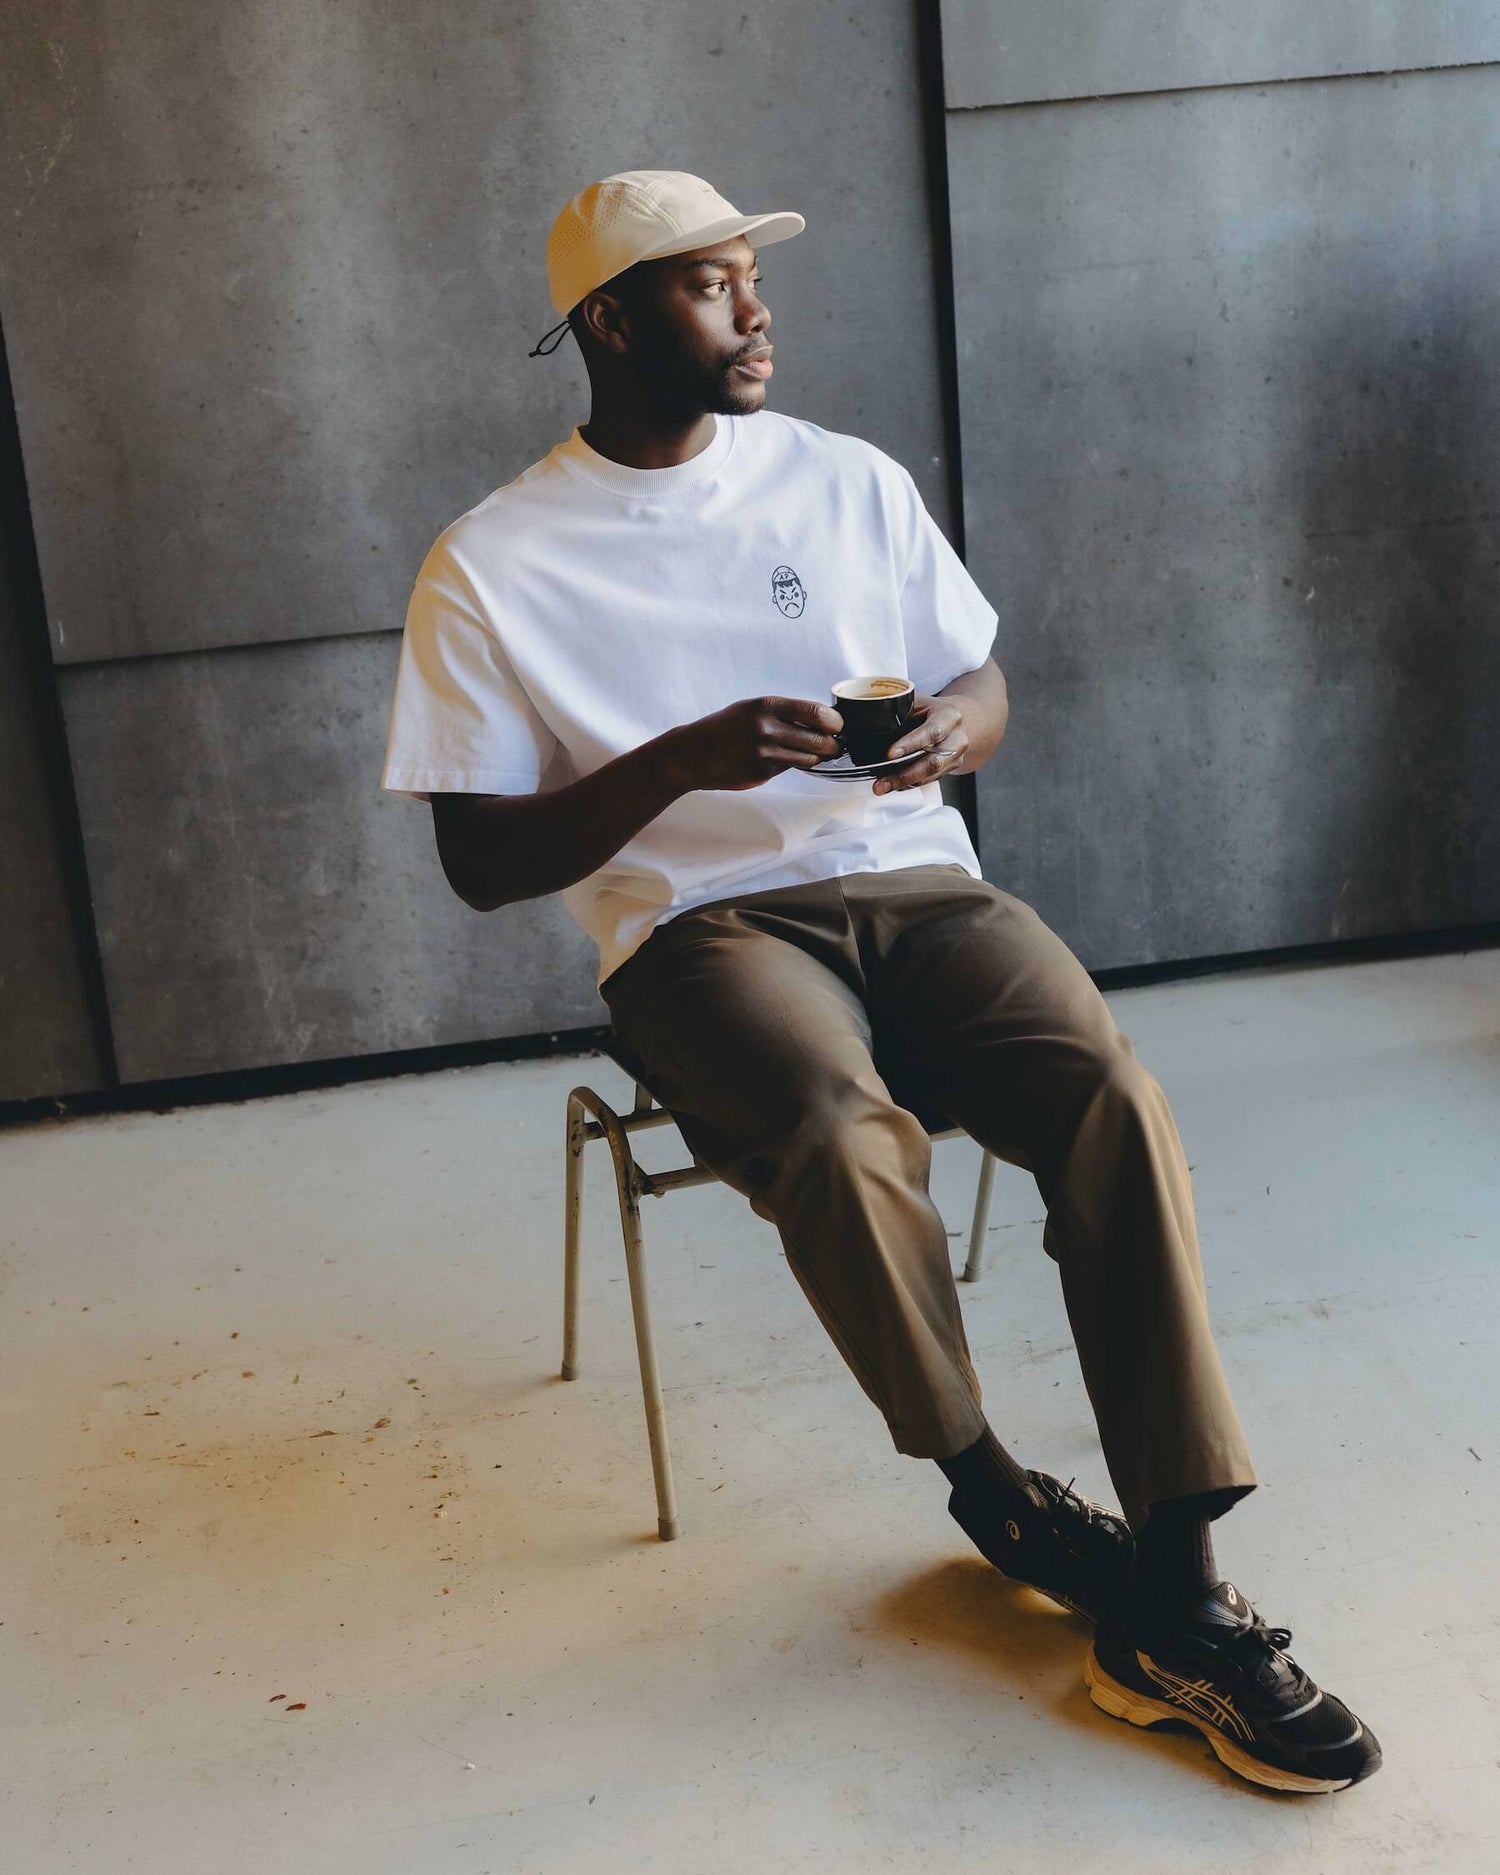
x=271 y=273
x=1016 y=52
x=1229 y=370
x=260 y=900
x=49 y=1043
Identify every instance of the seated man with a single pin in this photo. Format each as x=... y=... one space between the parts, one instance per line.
x=613 y=684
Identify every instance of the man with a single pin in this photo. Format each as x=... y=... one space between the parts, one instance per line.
x=613 y=684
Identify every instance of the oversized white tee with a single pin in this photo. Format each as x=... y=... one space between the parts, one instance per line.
x=587 y=607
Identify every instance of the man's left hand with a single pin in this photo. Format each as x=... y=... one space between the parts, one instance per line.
x=935 y=724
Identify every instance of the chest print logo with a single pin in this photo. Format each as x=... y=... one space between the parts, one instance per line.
x=788 y=591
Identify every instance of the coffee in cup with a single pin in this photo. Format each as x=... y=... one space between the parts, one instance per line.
x=874 y=710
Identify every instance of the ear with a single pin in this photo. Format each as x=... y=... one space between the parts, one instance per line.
x=608 y=320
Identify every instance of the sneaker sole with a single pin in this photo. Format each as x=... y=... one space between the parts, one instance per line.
x=1053 y=1595
x=1120 y=1702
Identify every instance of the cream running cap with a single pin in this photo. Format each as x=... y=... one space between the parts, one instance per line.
x=642 y=214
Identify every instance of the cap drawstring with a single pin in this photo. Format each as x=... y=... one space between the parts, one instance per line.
x=542 y=349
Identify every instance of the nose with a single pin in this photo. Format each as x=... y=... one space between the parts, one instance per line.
x=760 y=314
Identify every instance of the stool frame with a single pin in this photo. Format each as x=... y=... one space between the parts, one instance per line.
x=632 y=1183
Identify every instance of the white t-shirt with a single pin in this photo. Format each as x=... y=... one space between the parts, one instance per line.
x=587 y=607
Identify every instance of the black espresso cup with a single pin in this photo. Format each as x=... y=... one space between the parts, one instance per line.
x=874 y=710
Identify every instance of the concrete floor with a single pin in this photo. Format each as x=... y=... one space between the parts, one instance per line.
x=311 y=1563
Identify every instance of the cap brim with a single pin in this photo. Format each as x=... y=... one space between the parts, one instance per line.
x=778 y=227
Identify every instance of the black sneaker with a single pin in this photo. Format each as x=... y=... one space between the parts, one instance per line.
x=1222 y=1669
x=1061 y=1543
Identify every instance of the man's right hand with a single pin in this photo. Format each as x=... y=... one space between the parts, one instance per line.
x=750 y=741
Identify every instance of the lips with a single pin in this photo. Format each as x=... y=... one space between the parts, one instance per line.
x=757 y=365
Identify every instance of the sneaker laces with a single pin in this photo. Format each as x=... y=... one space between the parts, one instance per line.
x=1266 y=1660
x=1095 y=1535
x=1095 y=1516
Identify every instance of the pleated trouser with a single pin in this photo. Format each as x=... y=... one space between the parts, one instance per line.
x=758 y=1020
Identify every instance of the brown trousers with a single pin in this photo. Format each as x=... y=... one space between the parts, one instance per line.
x=758 y=1020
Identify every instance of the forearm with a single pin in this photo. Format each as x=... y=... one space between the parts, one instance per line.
x=524 y=846
x=986 y=707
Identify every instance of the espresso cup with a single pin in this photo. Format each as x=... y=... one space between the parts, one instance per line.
x=874 y=710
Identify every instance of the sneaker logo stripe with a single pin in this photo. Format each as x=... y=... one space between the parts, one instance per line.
x=1198 y=1697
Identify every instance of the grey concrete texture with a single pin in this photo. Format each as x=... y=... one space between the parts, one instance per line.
x=271 y=273
x=49 y=1041
x=260 y=900
x=1230 y=377
x=1016 y=52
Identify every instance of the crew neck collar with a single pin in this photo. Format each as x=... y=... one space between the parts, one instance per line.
x=582 y=459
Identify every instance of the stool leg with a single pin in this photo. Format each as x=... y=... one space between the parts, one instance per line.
x=629 y=1182
x=656 y=1415
x=981 y=1214
x=572 y=1231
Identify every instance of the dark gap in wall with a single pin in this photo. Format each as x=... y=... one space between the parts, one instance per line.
x=45 y=707
x=1223 y=84
x=962 y=791
x=244 y=644
x=935 y=158
x=202 y=1090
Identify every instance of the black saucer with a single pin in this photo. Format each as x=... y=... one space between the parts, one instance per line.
x=842 y=768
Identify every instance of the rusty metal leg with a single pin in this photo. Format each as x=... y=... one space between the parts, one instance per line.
x=572 y=1231
x=981 y=1215
x=656 y=1416
x=630 y=1182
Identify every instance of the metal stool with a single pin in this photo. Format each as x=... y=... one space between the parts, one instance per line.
x=634 y=1184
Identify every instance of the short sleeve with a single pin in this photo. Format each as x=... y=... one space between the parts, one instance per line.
x=461 y=722
x=948 y=623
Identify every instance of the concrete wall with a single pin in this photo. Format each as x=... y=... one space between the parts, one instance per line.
x=1229 y=376
x=270 y=276
x=259 y=901
x=1015 y=52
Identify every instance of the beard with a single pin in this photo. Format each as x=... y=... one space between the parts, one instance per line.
x=681 y=385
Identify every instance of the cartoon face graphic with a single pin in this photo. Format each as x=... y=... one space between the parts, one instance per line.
x=787 y=591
